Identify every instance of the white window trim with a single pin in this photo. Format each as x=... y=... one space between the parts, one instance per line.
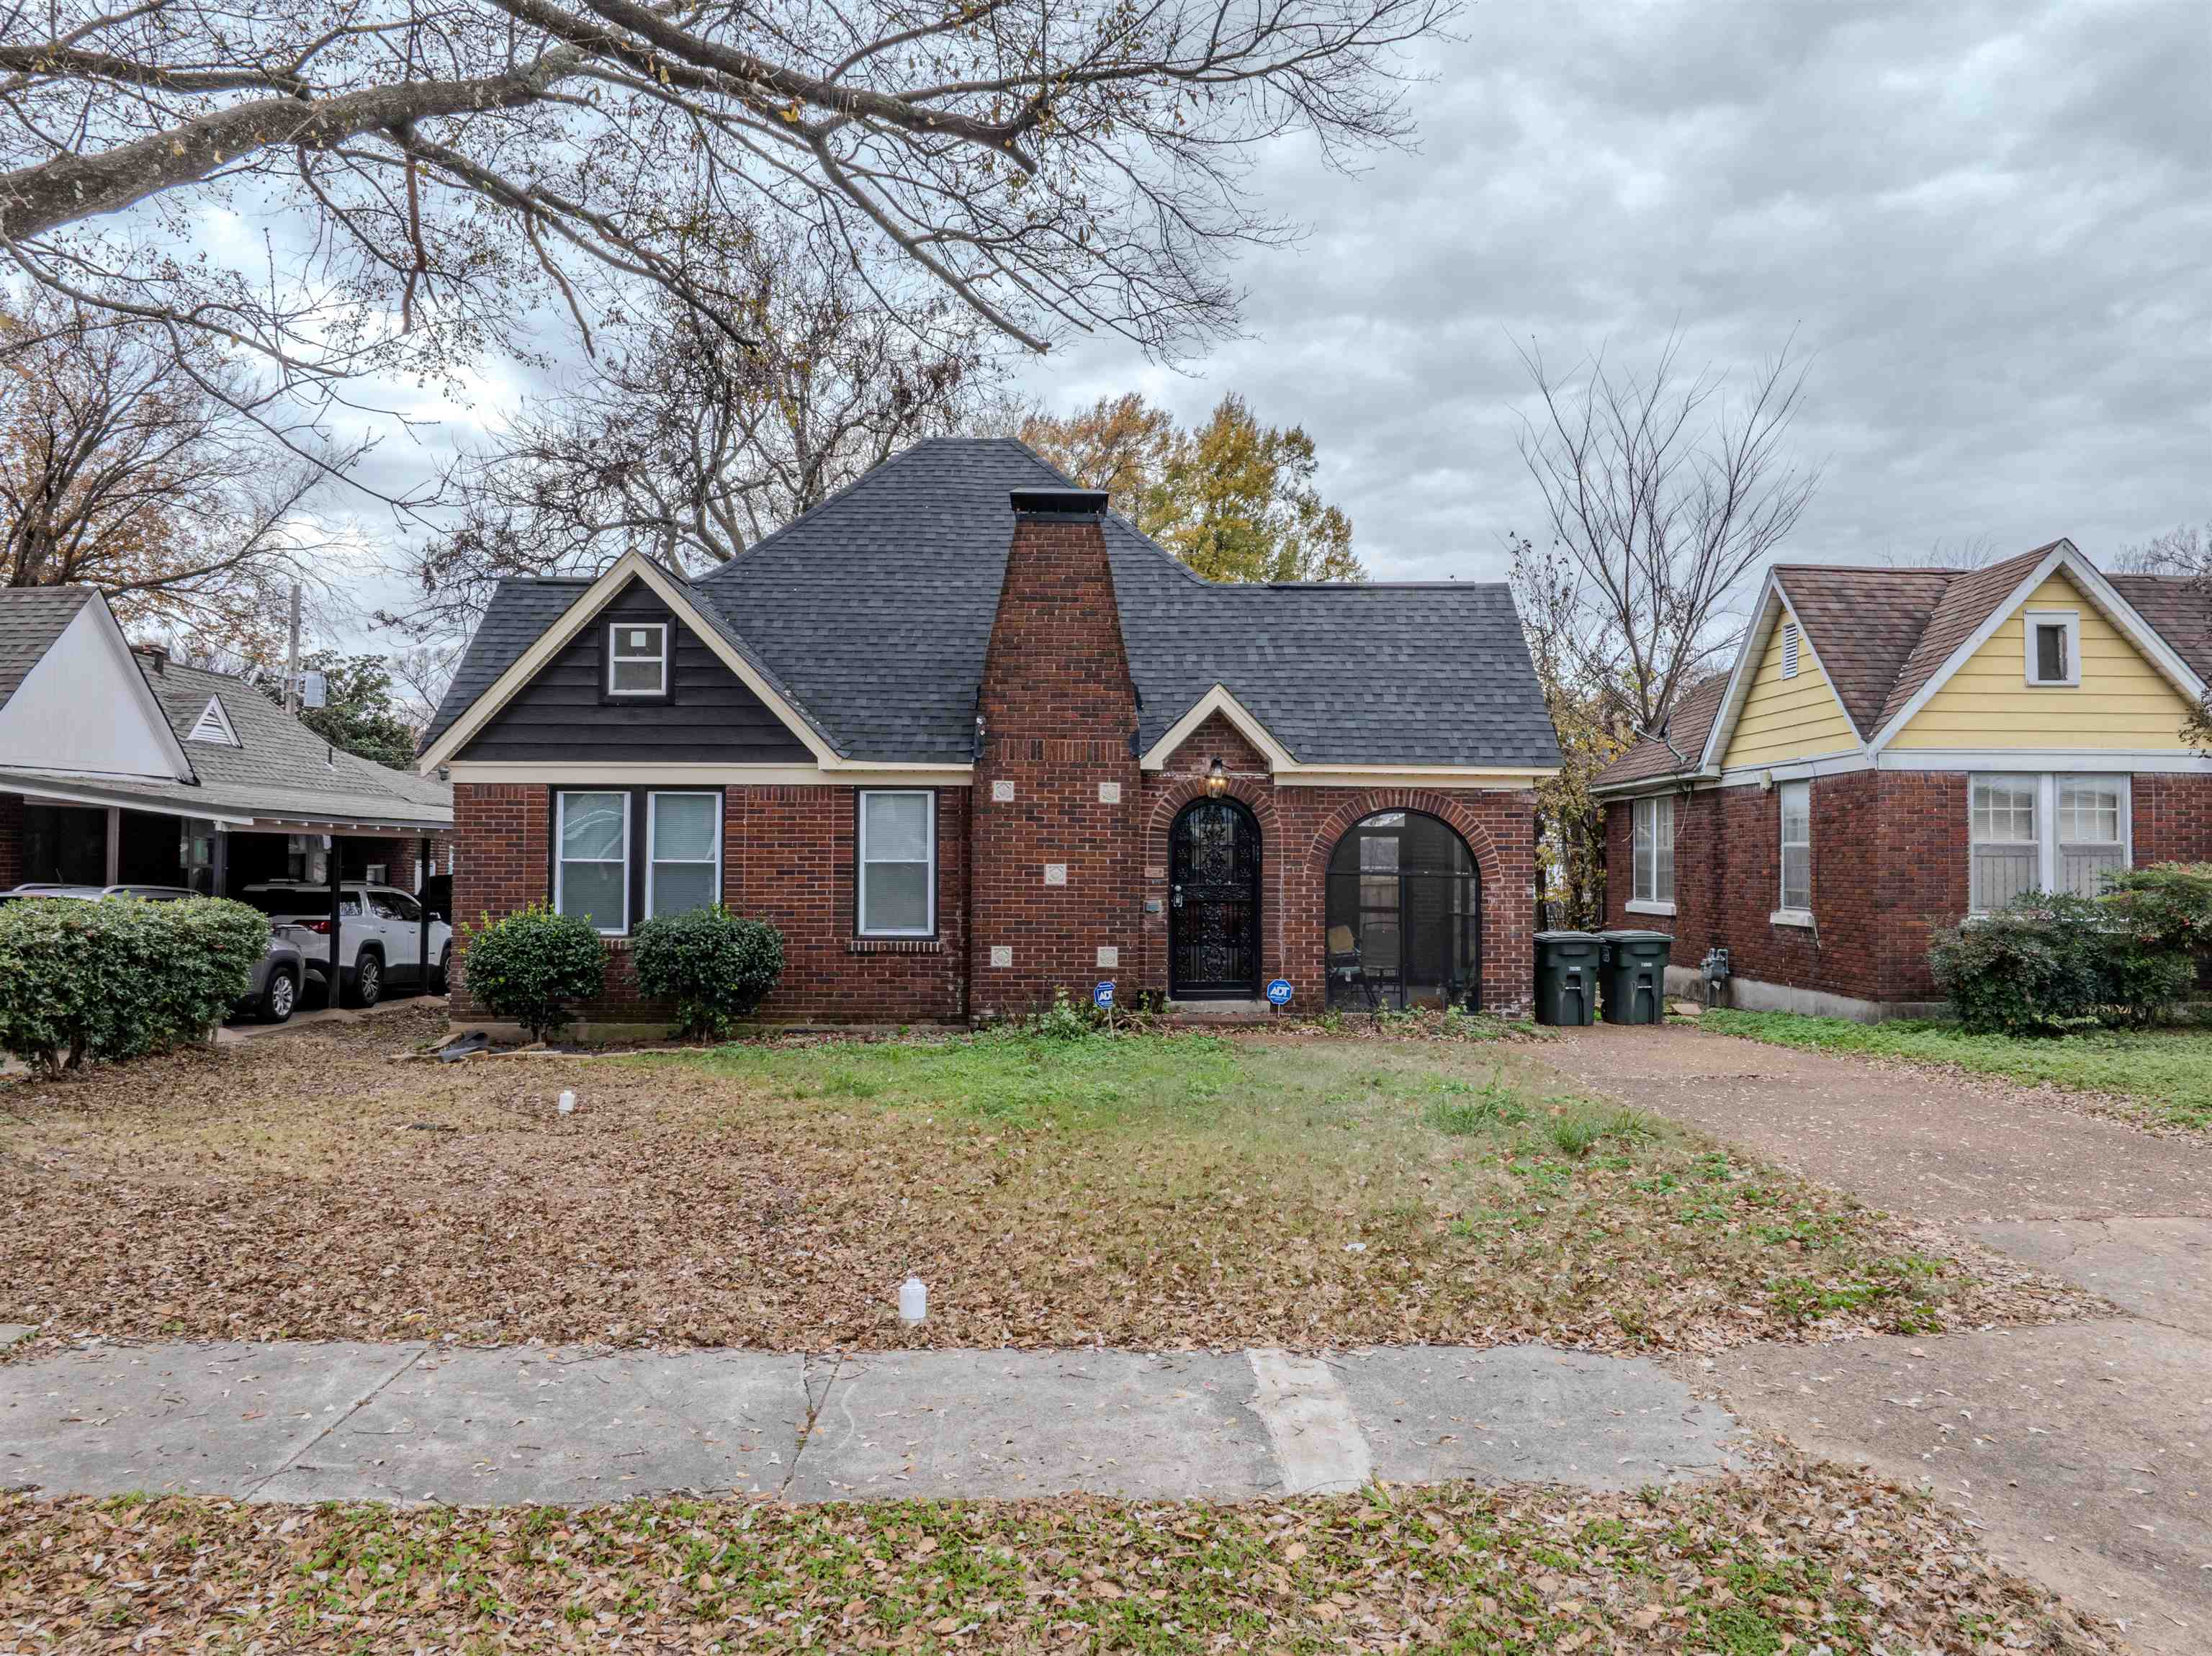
x=653 y=833
x=1639 y=903
x=2071 y=620
x=861 y=926
x=666 y=651
x=2047 y=786
x=561 y=863
x=1782 y=906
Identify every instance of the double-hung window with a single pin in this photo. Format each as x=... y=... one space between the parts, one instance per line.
x=590 y=866
x=1653 y=879
x=683 y=852
x=1796 y=848
x=637 y=658
x=2031 y=833
x=897 y=895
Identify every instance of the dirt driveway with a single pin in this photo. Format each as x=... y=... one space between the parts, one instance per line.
x=2079 y=1448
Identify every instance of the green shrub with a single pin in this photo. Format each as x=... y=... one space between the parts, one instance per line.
x=530 y=965
x=2053 y=963
x=714 y=965
x=1064 y=1020
x=121 y=977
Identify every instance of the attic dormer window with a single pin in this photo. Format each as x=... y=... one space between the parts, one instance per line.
x=1789 y=649
x=2054 y=646
x=637 y=658
x=214 y=727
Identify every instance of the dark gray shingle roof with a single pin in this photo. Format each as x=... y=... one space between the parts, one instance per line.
x=30 y=619
x=873 y=611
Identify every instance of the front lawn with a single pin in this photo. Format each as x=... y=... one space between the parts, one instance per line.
x=2164 y=1076
x=1800 y=1557
x=1146 y=1190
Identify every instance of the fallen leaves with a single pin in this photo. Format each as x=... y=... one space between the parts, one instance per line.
x=1755 y=1563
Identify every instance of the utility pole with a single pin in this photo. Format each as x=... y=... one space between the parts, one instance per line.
x=292 y=661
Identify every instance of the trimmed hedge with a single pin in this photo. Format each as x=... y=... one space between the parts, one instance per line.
x=120 y=977
x=531 y=964
x=714 y=965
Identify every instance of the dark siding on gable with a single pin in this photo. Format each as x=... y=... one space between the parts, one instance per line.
x=559 y=717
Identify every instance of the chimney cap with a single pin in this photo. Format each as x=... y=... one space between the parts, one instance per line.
x=1060 y=502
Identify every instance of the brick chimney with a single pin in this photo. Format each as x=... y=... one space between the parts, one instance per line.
x=1055 y=889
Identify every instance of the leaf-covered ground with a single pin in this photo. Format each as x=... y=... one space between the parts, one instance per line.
x=1801 y=1557
x=1148 y=1191
x=2157 y=1078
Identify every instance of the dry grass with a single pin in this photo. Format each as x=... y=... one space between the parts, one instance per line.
x=1153 y=1190
x=1799 y=1557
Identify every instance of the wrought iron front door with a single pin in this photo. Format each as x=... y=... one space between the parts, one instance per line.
x=1213 y=920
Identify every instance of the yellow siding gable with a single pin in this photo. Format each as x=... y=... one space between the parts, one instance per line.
x=2122 y=702
x=1788 y=718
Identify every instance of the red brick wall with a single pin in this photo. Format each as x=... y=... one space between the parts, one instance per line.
x=1059 y=719
x=1889 y=868
x=787 y=859
x=1299 y=827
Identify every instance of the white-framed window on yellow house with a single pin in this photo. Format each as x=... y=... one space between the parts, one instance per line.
x=1652 y=878
x=2032 y=832
x=1796 y=883
x=2053 y=647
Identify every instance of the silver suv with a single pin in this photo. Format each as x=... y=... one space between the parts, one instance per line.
x=381 y=933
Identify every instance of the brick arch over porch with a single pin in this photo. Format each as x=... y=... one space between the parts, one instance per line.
x=1442 y=806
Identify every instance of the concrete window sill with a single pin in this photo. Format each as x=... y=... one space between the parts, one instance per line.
x=895 y=945
x=1666 y=909
x=1799 y=917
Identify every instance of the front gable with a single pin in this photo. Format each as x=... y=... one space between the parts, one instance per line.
x=565 y=712
x=84 y=707
x=2123 y=700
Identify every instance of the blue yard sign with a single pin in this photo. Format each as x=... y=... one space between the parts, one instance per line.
x=1102 y=996
x=1278 y=992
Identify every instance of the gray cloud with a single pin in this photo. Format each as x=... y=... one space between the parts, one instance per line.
x=1991 y=225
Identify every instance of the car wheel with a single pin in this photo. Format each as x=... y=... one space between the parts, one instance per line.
x=444 y=980
x=367 y=980
x=280 y=998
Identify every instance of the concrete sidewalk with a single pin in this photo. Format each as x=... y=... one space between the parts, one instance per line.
x=312 y=1422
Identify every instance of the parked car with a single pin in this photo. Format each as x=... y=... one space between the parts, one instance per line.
x=381 y=931
x=272 y=994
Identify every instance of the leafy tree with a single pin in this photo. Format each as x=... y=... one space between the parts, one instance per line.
x=359 y=713
x=1234 y=500
x=127 y=465
x=689 y=443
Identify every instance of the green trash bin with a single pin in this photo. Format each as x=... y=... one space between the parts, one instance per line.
x=1567 y=977
x=1633 y=967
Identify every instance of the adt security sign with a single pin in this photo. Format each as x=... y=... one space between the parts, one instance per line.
x=1102 y=995
x=1278 y=992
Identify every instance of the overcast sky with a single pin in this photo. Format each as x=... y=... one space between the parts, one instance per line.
x=1990 y=226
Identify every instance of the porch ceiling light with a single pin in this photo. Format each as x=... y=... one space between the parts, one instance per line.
x=1217 y=779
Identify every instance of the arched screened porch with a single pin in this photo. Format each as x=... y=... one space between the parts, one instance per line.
x=1405 y=916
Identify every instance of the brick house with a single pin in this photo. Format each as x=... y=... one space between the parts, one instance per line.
x=969 y=739
x=1894 y=749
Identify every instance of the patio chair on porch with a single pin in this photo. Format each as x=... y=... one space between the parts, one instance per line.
x=1345 y=965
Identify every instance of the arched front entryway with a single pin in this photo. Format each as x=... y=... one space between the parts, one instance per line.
x=1213 y=902
x=1405 y=915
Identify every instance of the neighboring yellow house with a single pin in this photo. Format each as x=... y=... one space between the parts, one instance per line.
x=1896 y=748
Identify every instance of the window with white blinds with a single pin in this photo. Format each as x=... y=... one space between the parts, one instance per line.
x=1653 y=875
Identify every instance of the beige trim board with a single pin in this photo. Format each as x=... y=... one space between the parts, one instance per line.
x=1417 y=776
x=1217 y=701
x=631 y=566
x=848 y=775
